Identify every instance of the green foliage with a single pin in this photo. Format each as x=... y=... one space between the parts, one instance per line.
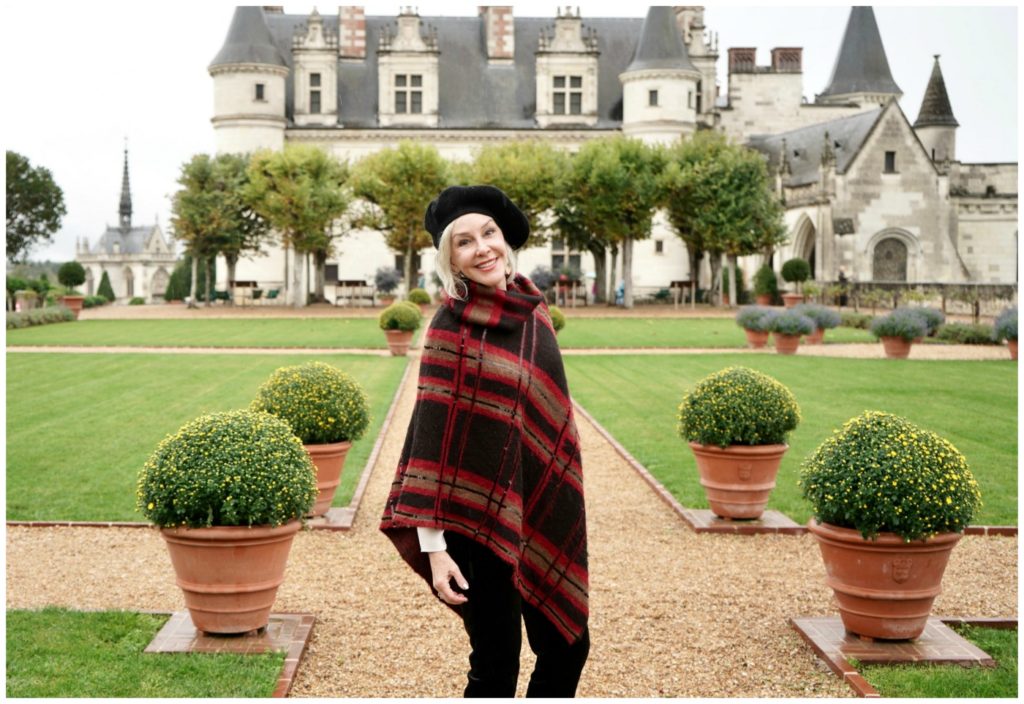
x=756 y=318
x=740 y=286
x=15 y=284
x=418 y=296
x=1005 y=327
x=105 y=289
x=400 y=317
x=824 y=318
x=738 y=406
x=765 y=282
x=71 y=274
x=790 y=322
x=137 y=301
x=967 y=334
x=39 y=316
x=321 y=403
x=35 y=206
x=860 y=321
x=899 y=323
x=95 y=301
x=881 y=473
x=796 y=270
x=557 y=317
x=233 y=468
x=180 y=285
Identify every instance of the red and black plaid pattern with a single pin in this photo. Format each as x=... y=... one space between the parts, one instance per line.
x=492 y=450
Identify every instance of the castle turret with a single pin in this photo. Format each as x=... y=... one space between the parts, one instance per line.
x=249 y=76
x=861 y=73
x=703 y=52
x=659 y=87
x=935 y=125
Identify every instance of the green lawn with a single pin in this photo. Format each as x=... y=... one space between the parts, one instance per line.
x=973 y=404
x=61 y=653
x=953 y=680
x=671 y=332
x=79 y=427
x=360 y=333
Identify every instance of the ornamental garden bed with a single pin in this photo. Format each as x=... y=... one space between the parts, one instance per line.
x=972 y=405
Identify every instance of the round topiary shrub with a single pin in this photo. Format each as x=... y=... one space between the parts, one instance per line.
x=1005 y=327
x=881 y=473
x=823 y=318
x=756 y=318
x=557 y=317
x=899 y=323
x=738 y=406
x=320 y=403
x=418 y=296
x=237 y=468
x=796 y=271
x=789 y=322
x=71 y=275
x=403 y=315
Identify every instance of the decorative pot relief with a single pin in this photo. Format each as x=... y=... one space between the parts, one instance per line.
x=901 y=569
x=745 y=469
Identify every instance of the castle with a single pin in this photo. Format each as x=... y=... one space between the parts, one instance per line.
x=867 y=192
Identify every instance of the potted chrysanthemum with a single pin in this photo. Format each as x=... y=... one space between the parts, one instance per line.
x=897 y=331
x=1005 y=328
x=890 y=502
x=399 y=321
x=823 y=318
x=326 y=409
x=755 y=321
x=787 y=328
x=736 y=422
x=228 y=492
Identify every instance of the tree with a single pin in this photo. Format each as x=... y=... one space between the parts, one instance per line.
x=35 y=206
x=194 y=216
x=614 y=184
x=399 y=184
x=570 y=226
x=718 y=200
x=238 y=228
x=71 y=275
x=300 y=191
x=530 y=172
x=105 y=289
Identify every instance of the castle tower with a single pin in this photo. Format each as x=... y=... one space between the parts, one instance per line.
x=125 y=208
x=659 y=87
x=935 y=125
x=703 y=52
x=861 y=73
x=315 y=52
x=248 y=86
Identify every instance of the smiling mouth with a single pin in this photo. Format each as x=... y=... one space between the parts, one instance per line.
x=488 y=265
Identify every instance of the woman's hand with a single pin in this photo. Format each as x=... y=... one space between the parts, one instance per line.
x=443 y=569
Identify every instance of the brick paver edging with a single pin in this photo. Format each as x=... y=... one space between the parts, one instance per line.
x=846 y=672
x=689 y=515
x=345 y=516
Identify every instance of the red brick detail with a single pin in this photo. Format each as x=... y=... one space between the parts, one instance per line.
x=351 y=32
x=742 y=60
x=787 y=59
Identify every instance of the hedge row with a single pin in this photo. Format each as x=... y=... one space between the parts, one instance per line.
x=39 y=316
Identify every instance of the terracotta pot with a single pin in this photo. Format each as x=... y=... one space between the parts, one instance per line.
x=738 y=479
x=896 y=347
x=815 y=338
x=884 y=587
x=791 y=299
x=230 y=574
x=329 y=460
x=1012 y=344
x=918 y=340
x=74 y=304
x=757 y=338
x=763 y=299
x=398 y=341
x=786 y=344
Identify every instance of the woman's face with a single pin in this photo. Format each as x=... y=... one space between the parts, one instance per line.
x=478 y=250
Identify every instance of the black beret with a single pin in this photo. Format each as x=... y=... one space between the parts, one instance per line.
x=456 y=201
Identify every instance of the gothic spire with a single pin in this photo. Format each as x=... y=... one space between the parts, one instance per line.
x=126 y=196
x=861 y=65
x=935 y=108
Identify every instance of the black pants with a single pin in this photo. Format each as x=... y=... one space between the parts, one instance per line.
x=492 y=617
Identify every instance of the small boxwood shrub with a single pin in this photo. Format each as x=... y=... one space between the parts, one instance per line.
x=94 y=301
x=400 y=316
x=766 y=283
x=861 y=321
x=137 y=301
x=418 y=296
x=39 y=316
x=967 y=334
x=557 y=317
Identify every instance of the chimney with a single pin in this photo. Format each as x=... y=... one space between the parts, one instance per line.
x=743 y=60
x=273 y=9
x=500 y=32
x=787 y=59
x=351 y=32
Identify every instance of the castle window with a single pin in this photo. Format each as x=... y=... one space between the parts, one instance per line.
x=408 y=100
x=314 y=93
x=567 y=98
x=890 y=162
x=659 y=246
x=259 y=92
x=689 y=99
x=652 y=98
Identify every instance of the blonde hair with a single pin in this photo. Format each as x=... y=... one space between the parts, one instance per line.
x=453 y=284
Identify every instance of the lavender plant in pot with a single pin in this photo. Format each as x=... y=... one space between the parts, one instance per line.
x=755 y=321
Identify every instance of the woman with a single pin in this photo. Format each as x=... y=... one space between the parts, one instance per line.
x=487 y=501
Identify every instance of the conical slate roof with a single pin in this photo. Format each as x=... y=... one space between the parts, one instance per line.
x=249 y=40
x=935 y=108
x=861 y=66
x=660 y=45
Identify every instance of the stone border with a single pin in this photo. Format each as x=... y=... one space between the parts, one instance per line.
x=337 y=518
x=842 y=668
x=698 y=520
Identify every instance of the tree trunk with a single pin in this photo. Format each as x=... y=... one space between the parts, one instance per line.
x=627 y=272
x=319 y=262
x=231 y=261
x=407 y=265
x=194 y=286
x=734 y=295
x=695 y=256
x=299 y=295
x=600 y=274
x=613 y=275
x=209 y=283
x=714 y=289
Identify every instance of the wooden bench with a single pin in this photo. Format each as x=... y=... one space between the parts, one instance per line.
x=353 y=290
x=680 y=291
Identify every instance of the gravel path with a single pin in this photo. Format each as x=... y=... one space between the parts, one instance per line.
x=674 y=613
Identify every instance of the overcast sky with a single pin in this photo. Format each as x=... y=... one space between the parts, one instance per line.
x=83 y=76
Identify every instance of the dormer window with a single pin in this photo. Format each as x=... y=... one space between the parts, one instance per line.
x=259 y=92
x=567 y=97
x=408 y=93
x=314 y=93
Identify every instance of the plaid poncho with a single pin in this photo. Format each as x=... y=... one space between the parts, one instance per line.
x=492 y=451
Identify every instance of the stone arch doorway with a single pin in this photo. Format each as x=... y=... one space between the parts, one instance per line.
x=129 y=282
x=804 y=242
x=159 y=283
x=889 y=260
